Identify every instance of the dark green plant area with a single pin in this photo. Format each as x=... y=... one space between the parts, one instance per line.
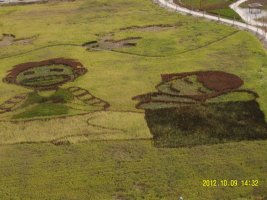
x=60 y=96
x=45 y=109
x=226 y=13
x=206 y=124
x=45 y=106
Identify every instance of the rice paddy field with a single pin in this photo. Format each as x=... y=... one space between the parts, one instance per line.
x=75 y=153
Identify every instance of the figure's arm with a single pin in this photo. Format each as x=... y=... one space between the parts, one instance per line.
x=13 y=103
x=86 y=97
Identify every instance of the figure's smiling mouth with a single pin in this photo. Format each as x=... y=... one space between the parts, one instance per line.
x=43 y=81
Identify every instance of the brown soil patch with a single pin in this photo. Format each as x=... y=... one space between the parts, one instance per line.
x=151 y=28
x=127 y=42
x=110 y=44
x=107 y=42
x=10 y=39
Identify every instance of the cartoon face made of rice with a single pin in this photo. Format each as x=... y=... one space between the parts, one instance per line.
x=48 y=99
x=45 y=75
x=194 y=87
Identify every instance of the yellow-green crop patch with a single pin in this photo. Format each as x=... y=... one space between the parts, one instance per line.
x=115 y=76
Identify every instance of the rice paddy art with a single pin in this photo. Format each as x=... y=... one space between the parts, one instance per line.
x=47 y=98
x=202 y=107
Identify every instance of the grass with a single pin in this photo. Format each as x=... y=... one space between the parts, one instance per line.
x=130 y=170
x=226 y=13
x=121 y=169
x=207 y=4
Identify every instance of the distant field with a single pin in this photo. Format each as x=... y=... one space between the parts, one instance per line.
x=218 y=7
x=123 y=163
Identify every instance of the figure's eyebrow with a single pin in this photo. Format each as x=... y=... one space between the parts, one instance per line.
x=187 y=80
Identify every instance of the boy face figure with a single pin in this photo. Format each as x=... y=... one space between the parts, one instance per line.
x=45 y=75
x=199 y=85
x=191 y=87
x=49 y=75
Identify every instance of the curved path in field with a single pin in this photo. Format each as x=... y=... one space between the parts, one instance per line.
x=170 y=5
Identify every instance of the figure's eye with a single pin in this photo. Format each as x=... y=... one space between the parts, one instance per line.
x=56 y=70
x=28 y=73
